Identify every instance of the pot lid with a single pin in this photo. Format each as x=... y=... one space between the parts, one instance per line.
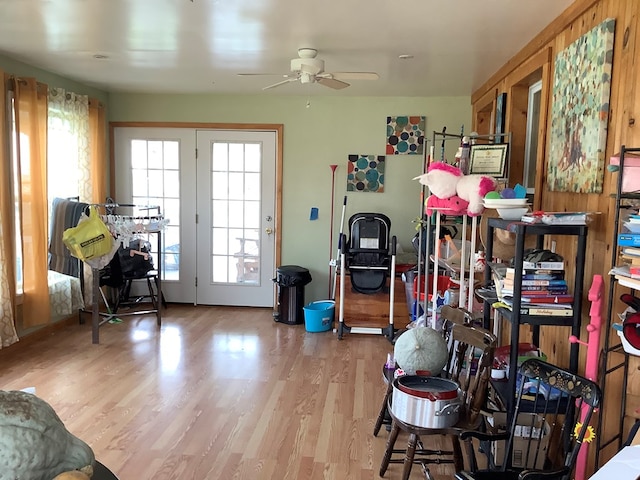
x=432 y=388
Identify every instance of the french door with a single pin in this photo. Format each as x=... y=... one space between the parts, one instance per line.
x=217 y=189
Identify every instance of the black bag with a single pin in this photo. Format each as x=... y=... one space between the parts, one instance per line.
x=136 y=259
x=536 y=255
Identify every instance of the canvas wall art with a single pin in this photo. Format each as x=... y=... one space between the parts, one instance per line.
x=405 y=135
x=365 y=173
x=580 y=112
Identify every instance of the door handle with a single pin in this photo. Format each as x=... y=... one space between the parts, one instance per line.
x=268 y=230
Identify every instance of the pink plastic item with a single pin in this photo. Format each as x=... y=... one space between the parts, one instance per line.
x=591 y=367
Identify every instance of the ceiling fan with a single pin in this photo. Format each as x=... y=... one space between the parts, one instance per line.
x=309 y=69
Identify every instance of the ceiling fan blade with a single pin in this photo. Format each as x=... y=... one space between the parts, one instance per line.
x=355 y=75
x=288 y=80
x=262 y=75
x=332 y=83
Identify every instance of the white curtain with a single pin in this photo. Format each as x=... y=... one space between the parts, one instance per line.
x=68 y=145
x=8 y=333
x=69 y=152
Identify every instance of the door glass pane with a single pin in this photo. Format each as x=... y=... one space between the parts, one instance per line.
x=220 y=161
x=252 y=215
x=220 y=213
x=252 y=186
x=235 y=197
x=155 y=175
x=236 y=186
x=219 y=241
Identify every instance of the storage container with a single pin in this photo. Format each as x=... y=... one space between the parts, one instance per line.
x=318 y=316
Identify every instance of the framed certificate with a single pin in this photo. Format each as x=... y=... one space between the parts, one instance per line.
x=489 y=159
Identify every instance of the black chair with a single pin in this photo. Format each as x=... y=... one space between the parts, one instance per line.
x=124 y=268
x=543 y=445
x=469 y=365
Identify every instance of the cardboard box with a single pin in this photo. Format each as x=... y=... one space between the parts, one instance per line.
x=521 y=441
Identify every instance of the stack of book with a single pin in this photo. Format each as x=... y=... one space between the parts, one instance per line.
x=628 y=271
x=630 y=236
x=631 y=256
x=544 y=290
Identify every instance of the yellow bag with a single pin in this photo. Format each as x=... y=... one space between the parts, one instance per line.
x=90 y=238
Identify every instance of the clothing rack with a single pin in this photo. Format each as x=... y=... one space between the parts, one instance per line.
x=99 y=318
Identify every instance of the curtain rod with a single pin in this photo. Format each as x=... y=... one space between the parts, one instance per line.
x=92 y=101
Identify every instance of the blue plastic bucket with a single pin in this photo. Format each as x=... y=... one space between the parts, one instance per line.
x=318 y=316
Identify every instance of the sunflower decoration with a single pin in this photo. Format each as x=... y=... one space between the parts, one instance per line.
x=589 y=435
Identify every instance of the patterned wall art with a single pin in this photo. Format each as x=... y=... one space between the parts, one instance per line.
x=365 y=173
x=580 y=111
x=405 y=135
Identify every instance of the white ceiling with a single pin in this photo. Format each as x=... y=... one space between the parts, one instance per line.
x=199 y=46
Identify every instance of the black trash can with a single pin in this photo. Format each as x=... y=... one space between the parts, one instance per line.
x=290 y=280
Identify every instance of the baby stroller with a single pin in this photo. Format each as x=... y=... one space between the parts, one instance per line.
x=370 y=259
x=368 y=255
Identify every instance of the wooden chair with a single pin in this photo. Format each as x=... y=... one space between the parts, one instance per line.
x=552 y=455
x=450 y=316
x=469 y=364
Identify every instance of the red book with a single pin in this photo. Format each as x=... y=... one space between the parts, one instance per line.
x=548 y=299
x=544 y=293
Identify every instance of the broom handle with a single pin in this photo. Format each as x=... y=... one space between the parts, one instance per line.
x=333 y=190
x=335 y=271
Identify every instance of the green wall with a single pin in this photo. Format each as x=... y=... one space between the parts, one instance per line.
x=314 y=138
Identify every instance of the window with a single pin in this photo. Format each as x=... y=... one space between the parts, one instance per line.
x=62 y=158
x=16 y=191
x=531 y=145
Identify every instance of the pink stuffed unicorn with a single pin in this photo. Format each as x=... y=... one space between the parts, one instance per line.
x=446 y=181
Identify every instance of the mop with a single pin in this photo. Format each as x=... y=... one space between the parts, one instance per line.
x=341 y=238
x=333 y=191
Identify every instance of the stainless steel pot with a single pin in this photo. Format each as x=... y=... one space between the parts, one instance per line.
x=428 y=402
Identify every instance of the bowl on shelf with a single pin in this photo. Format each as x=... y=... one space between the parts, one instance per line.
x=512 y=213
x=504 y=202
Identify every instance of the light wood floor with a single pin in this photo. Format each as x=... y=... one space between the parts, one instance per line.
x=215 y=393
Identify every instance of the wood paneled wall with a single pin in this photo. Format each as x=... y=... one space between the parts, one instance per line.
x=538 y=55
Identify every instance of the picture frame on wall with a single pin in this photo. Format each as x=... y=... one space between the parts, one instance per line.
x=489 y=159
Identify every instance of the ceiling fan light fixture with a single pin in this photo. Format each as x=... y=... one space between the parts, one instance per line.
x=307 y=78
x=312 y=66
x=307 y=52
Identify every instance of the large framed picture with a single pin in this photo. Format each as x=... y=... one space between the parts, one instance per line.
x=489 y=159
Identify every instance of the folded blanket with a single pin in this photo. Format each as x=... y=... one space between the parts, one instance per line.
x=64 y=214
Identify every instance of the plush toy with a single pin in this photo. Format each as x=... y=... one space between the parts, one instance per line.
x=445 y=181
x=453 y=205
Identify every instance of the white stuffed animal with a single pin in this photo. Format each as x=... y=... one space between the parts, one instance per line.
x=445 y=181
